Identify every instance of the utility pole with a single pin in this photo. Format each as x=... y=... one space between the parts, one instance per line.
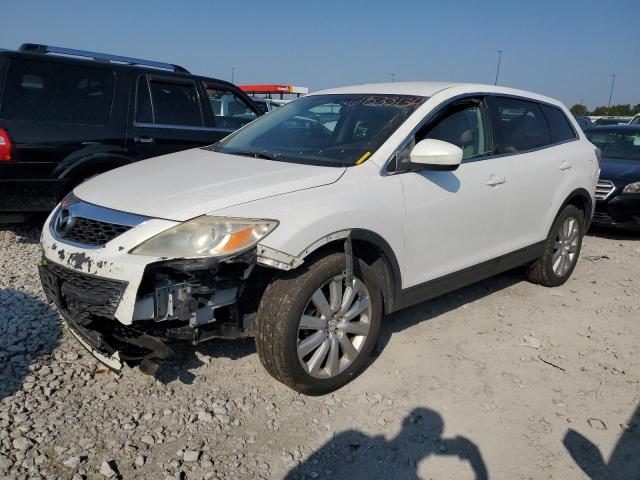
x=393 y=76
x=233 y=71
x=498 y=67
x=613 y=81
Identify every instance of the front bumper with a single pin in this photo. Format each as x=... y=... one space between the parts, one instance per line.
x=622 y=211
x=129 y=308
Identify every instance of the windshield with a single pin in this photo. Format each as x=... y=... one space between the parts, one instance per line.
x=336 y=130
x=617 y=144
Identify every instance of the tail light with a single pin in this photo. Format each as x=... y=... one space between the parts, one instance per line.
x=5 y=146
x=599 y=157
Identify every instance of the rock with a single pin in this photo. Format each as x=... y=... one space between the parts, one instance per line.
x=72 y=462
x=22 y=443
x=5 y=463
x=191 y=455
x=139 y=461
x=204 y=416
x=531 y=342
x=108 y=468
x=148 y=439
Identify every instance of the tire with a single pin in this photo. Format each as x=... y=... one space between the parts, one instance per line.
x=281 y=331
x=542 y=271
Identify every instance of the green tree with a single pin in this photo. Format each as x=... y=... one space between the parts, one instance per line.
x=600 y=111
x=620 y=110
x=579 y=110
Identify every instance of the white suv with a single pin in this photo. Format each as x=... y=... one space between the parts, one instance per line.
x=306 y=226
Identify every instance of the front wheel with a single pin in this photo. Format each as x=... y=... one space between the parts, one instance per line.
x=315 y=329
x=561 y=249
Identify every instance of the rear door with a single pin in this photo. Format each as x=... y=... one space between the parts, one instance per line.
x=167 y=116
x=539 y=164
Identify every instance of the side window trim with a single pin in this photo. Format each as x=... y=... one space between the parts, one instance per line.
x=390 y=166
x=492 y=96
x=170 y=79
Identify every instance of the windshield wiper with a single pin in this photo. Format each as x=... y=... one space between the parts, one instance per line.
x=263 y=155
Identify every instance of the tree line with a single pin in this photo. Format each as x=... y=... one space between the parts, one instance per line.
x=627 y=110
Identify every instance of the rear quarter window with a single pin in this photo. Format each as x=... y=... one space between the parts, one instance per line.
x=48 y=92
x=561 y=129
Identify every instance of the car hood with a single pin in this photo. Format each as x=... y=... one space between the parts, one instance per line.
x=613 y=168
x=187 y=184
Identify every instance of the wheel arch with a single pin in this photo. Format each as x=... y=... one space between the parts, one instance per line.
x=370 y=247
x=93 y=160
x=580 y=198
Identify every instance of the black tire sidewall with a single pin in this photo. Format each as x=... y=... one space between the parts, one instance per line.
x=317 y=275
x=568 y=211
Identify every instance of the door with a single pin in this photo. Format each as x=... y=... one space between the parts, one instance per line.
x=523 y=139
x=167 y=117
x=454 y=220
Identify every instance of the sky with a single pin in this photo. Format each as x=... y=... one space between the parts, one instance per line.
x=563 y=49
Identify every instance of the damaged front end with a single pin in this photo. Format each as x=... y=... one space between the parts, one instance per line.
x=188 y=301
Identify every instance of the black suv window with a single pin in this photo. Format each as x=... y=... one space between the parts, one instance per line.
x=229 y=110
x=175 y=102
x=561 y=129
x=57 y=93
x=521 y=125
x=464 y=124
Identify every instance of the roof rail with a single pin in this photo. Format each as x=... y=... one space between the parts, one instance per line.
x=103 y=57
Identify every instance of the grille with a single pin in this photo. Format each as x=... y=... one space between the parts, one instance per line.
x=604 y=189
x=80 y=293
x=94 y=232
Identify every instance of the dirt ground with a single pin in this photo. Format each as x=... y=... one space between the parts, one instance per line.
x=500 y=380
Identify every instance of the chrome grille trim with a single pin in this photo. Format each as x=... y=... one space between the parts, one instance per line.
x=101 y=216
x=604 y=189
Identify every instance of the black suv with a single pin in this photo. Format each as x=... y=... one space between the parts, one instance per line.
x=68 y=115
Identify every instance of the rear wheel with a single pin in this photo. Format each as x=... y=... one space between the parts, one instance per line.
x=316 y=329
x=561 y=249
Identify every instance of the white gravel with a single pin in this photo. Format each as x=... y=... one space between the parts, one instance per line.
x=496 y=376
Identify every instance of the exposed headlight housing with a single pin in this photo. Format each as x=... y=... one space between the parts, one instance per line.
x=632 y=188
x=207 y=237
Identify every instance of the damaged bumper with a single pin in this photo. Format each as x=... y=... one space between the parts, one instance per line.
x=131 y=308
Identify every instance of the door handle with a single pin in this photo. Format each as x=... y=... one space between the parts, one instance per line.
x=565 y=165
x=494 y=181
x=145 y=140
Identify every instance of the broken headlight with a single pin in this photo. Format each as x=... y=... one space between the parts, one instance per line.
x=206 y=237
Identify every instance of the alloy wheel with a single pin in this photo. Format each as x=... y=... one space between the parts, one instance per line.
x=566 y=246
x=334 y=327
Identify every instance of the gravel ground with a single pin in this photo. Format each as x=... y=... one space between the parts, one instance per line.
x=503 y=380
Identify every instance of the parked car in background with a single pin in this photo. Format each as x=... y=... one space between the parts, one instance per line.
x=305 y=227
x=618 y=191
x=635 y=120
x=611 y=121
x=265 y=105
x=67 y=115
x=584 y=122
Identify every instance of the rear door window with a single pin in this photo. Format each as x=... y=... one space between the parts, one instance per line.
x=49 y=92
x=521 y=125
x=561 y=129
x=229 y=110
x=174 y=102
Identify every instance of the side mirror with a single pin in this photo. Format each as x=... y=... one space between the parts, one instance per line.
x=434 y=154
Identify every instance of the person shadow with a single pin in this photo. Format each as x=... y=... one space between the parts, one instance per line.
x=354 y=455
x=624 y=462
x=29 y=331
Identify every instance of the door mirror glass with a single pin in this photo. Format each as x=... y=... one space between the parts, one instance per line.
x=434 y=154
